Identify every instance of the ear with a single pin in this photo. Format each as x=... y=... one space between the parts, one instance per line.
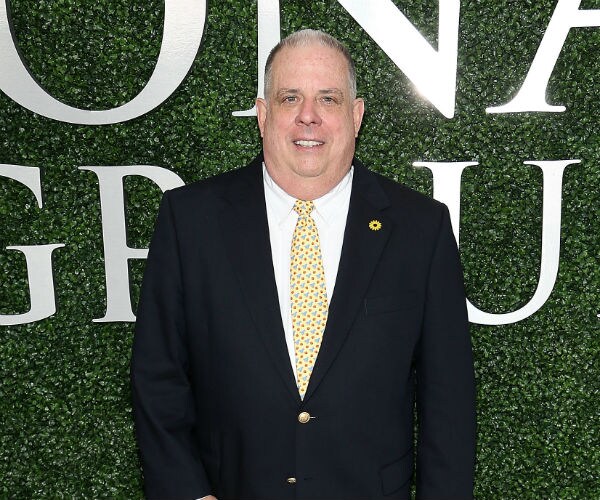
x=261 y=114
x=358 y=110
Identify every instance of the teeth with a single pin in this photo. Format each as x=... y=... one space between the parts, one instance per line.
x=308 y=144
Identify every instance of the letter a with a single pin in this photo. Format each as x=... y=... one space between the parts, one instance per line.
x=532 y=96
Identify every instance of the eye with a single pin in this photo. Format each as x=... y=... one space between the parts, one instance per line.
x=327 y=99
x=290 y=99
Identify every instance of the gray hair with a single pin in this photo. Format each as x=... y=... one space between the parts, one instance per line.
x=305 y=38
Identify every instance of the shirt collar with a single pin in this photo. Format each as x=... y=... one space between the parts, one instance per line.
x=326 y=206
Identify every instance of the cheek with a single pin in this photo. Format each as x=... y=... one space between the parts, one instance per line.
x=278 y=129
x=275 y=140
x=346 y=134
x=343 y=125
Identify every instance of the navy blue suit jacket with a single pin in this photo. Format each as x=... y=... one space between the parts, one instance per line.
x=215 y=401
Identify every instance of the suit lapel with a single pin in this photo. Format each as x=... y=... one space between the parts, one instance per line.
x=244 y=227
x=246 y=234
x=361 y=251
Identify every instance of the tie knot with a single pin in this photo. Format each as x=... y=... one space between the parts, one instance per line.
x=302 y=207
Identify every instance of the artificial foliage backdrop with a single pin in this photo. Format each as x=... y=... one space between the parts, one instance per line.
x=65 y=416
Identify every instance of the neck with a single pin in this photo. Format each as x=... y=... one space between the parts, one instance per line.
x=306 y=188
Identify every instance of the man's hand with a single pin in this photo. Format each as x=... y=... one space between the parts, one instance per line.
x=209 y=497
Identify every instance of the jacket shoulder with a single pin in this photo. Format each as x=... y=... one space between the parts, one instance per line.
x=408 y=200
x=213 y=191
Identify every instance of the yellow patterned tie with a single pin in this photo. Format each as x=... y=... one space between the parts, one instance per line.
x=308 y=293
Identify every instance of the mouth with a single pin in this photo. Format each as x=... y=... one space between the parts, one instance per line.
x=308 y=144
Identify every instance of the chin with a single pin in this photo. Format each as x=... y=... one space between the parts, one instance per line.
x=309 y=170
x=310 y=167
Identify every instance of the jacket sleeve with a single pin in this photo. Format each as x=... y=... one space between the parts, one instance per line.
x=445 y=380
x=163 y=403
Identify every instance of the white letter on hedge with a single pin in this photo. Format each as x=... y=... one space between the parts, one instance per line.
x=446 y=188
x=114 y=232
x=182 y=33
x=532 y=96
x=269 y=34
x=432 y=72
x=37 y=257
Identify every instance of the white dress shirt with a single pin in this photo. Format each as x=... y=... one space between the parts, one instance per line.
x=329 y=213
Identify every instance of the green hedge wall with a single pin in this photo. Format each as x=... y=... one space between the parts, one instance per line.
x=65 y=417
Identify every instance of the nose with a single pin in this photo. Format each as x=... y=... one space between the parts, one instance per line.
x=308 y=113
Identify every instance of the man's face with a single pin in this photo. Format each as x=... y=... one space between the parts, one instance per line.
x=309 y=121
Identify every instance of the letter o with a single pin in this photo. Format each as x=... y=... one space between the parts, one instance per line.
x=182 y=34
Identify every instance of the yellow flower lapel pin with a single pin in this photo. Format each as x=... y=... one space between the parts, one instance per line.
x=374 y=225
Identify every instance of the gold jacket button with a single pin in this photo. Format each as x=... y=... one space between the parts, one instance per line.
x=304 y=417
x=291 y=480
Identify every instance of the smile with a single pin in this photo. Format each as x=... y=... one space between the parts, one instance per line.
x=308 y=144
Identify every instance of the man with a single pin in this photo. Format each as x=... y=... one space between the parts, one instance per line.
x=255 y=380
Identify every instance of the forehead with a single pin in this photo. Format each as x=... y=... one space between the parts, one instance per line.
x=308 y=66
